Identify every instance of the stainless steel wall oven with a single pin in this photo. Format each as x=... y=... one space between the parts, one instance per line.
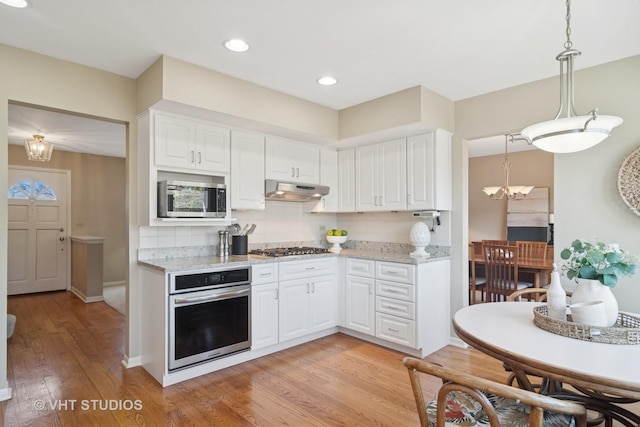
x=209 y=315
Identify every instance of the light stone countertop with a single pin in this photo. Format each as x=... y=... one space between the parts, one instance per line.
x=182 y=264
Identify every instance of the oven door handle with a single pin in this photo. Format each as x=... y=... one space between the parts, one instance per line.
x=211 y=297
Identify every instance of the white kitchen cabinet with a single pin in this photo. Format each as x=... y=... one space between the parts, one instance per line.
x=429 y=171
x=293 y=161
x=307 y=297
x=165 y=142
x=264 y=315
x=191 y=145
x=402 y=306
x=328 y=177
x=360 y=296
x=360 y=304
x=264 y=305
x=347 y=180
x=323 y=312
x=247 y=171
x=381 y=182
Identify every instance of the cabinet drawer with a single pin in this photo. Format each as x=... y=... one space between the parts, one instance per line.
x=404 y=273
x=396 y=329
x=264 y=273
x=308 y=268
x=400 y=291
x=396 y=307
x=360 y=267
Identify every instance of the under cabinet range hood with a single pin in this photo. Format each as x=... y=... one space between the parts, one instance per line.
x=293 y=192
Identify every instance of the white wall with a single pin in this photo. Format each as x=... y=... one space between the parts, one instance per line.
x=586 y=201
x=288 y=222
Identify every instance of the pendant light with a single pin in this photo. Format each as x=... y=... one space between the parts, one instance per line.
x=38 y=149
x=567 y=132
x=508 y=191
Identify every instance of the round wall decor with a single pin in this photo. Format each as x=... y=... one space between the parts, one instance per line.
x=629 y=181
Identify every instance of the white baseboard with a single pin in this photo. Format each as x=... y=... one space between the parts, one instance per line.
x=5 y=394
x=458 y=342
x=131 y=362
x=85 y=298
x=117 y=283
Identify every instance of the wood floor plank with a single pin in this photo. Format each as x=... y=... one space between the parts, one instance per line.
x=64 y=350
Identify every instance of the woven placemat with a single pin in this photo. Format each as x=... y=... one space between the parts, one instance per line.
x=626 y=330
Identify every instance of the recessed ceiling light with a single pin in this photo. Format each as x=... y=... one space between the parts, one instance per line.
x=327 y=81
x=15 y=3
x=236 y=45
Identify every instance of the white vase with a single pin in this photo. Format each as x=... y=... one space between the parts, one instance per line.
x=593 y=290
x=419 y=237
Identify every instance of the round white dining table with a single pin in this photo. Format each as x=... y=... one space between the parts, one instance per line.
x=505 y=330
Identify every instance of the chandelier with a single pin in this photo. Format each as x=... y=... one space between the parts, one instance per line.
x=567 y=132
x=38 y=149
x=508 y=191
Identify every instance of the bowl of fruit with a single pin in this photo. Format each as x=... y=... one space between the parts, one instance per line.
x=336 y=237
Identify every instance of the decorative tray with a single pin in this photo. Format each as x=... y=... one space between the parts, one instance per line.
x=626 y=330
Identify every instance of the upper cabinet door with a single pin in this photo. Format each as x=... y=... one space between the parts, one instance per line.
x=367 y=177
x=347 y=180
x=393 y=178
x=429 y=171
x=292 y=161
x=279 y=161
x=212 y=148
x=188 y=144
x=247 y=170
x=328 y=177
x=307 y=163
x=381 y=180
x=175 y=141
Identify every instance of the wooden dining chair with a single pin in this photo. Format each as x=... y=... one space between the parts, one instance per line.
x=501 y=269
x=531 y=250
x=495 y=242
x=465 y=399
x=477 y=279
x=535 y=250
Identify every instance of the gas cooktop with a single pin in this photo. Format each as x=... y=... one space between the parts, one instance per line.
x=296 y=250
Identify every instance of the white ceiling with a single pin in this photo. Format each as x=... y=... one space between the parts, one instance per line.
x=457 y=48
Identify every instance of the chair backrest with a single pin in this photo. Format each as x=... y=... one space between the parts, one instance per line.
x=540 y=294
x=474 y=386
x=535 y=250
x=495 y=242
x=501 y=270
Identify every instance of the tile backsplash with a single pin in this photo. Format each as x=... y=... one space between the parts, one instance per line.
x=285 y=222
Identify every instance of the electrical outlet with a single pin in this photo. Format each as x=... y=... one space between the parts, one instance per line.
x=323 y=228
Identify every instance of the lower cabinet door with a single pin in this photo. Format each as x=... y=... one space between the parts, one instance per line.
x=396 y=329
x=323 y=303
x=264 y=315
x=360 y=315
x=294 y=308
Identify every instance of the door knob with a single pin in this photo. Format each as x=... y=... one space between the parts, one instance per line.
x=62 y=238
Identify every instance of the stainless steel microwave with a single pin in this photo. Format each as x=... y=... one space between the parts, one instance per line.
x=183 y=199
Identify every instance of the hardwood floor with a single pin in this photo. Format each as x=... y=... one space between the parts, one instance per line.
x=64 y=369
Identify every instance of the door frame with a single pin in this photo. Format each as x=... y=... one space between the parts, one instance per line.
x=67 y=243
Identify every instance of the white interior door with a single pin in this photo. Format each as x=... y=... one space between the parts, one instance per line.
x=38 y=253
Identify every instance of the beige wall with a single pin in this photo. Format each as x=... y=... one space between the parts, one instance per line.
x=397 y=110
x=192 y=85
x=487 y=217
x=44 y=81
x=97 y=201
